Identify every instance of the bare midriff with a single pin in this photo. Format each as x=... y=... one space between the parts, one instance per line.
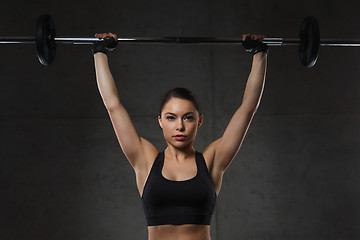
x=179 y=232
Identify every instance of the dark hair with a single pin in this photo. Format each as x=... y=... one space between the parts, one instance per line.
x=182 y=93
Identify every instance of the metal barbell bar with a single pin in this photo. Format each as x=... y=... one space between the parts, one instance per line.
x=185 y=40
x=214 y=41
x=148 y=40
x=308 y=41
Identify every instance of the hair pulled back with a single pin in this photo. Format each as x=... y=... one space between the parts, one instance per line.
x=182 y=93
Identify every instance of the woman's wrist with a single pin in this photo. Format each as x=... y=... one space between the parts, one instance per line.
x=260 y=56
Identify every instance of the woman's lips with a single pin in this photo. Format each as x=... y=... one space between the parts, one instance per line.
x=179 y=137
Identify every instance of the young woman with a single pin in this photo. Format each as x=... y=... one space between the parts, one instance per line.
x=178 y=186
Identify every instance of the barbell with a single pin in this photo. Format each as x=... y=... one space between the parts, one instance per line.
x=308 y=41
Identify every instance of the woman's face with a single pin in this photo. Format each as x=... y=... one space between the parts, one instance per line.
x=179 y=121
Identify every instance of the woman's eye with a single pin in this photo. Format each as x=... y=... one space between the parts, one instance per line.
x=187 y=118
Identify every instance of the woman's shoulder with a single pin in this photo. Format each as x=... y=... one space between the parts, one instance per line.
x=209 y=153
x=208 y=157
x=147 y=154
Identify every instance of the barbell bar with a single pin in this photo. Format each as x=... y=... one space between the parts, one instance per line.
x=308 y=41
x=331 y=42
x=151 y=40
x=213 y=41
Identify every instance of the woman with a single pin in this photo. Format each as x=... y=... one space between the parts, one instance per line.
x=178 y=186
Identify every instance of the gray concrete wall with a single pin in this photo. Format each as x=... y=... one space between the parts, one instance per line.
x=63 y=174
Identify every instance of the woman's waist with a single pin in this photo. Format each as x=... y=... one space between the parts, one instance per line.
x=179 y=232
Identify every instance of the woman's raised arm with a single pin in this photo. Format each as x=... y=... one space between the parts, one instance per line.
x=134 y=147
x=105 y=81
x=225 y=148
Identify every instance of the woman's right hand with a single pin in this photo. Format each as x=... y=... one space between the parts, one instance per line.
x=108 y=44
x=106 y=35
x=252 y=43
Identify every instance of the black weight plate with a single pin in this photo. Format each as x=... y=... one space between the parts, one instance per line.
x=309 y=41
x=45 y=39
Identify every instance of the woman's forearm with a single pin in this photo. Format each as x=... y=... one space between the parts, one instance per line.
x=105 y=81
x=256 y=81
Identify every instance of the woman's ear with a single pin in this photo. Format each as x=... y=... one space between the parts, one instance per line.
x=201 y=119
x=160 y=121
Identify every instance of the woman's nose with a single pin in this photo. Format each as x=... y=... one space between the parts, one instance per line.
x=180 y=125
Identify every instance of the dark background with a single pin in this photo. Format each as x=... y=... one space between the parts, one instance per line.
x=63 y=174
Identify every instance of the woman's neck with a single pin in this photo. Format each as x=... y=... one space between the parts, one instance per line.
x=179 y=154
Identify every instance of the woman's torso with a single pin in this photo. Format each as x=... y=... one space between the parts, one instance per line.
x=174 y=171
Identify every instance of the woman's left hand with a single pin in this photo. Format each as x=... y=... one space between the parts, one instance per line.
x=253 y=45
x=253 y=36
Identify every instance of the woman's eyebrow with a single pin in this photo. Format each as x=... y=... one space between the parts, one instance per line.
x=183 y=115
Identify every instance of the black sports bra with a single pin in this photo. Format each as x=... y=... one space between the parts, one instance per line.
x=167 y=201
